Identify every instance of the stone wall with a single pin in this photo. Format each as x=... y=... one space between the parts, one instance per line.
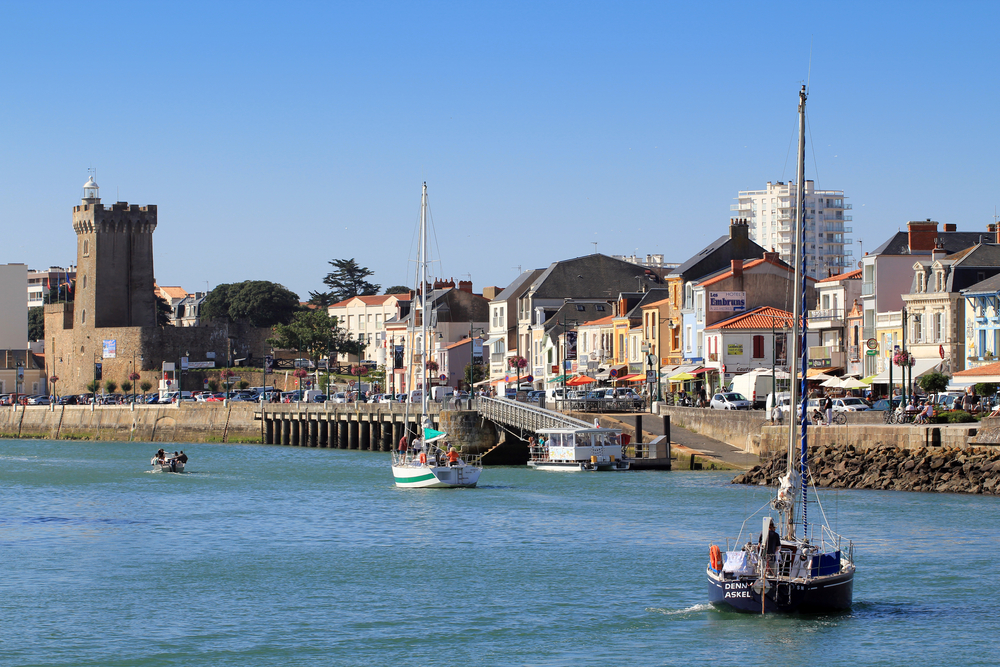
x=868 y=436
x=887 y=467
x=740 y=428
x=186 y=422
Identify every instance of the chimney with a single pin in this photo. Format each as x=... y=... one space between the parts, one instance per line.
x=938 y=252
x=922 y=236
x=737 y=268
x=771 y=256
x=994 y=233
x=465 y=286
x=950 y=227
x=739 y=229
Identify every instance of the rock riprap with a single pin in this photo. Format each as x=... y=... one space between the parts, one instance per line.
x=942 y=470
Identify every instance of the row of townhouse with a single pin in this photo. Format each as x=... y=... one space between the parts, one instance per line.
x=612 y=320
x=930 y=290
x=389 y=328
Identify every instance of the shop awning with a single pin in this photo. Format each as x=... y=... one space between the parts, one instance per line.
x=704 y=369
x=677 y=370
x=559 y=378
x=632 y=378
x=920 y=366
x=682 y=377
x=579 y=380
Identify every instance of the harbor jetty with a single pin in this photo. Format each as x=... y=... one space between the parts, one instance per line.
x=891 y=468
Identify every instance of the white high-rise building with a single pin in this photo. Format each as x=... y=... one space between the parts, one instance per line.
x=771 y=215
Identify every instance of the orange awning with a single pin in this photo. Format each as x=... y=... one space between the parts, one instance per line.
x=633 y=377
x=579 y=380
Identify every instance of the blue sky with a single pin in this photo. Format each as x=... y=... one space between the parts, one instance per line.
x=276 y=137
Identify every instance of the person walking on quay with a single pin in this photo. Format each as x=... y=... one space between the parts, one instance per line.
x=702 y=397
x=828 y=410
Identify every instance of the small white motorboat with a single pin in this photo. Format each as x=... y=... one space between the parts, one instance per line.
x=167 y=465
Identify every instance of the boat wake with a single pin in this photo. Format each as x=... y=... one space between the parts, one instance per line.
x=688 y=611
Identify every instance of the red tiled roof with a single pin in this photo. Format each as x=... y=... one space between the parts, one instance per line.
x=600 y=322
x=173 y=292
x=850 y=275
x=749 y=265
x=758 y=318
x=988 y=369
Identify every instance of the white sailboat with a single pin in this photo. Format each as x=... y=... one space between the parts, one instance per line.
x=426 y=465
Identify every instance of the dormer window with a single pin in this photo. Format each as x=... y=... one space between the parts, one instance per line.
x=921 y=282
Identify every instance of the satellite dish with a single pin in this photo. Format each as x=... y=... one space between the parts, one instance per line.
x=860 y=264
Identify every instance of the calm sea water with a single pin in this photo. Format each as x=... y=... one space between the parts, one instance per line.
x=281 y=556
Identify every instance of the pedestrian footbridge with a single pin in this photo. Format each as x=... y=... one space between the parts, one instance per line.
x=513 y=415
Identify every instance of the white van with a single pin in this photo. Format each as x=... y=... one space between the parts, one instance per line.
x=416 y=396
x=754 y=385
x=555 y=393
x=441 y=394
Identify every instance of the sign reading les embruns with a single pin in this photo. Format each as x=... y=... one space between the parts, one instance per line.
x=727 y=302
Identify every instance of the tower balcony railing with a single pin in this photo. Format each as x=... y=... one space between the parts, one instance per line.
x=867 y=289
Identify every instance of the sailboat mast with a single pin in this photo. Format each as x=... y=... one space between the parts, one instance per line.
x=423 y=308
x=797 y=333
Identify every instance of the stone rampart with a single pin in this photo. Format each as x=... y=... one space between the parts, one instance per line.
x=186 y=422
x=887 y=467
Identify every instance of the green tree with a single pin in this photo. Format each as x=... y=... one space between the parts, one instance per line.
x=345 y=281
x=110 y=386
x=397 y=289
x=163 y=312
x=475 y=373
x=933 y=382
x=313 y=333
x=145 y=385
x=986 y=388
x=92 y=386
x=243 y=384
x=126 y=386
x=213 y=385
x=257 y=302
x=36 y=323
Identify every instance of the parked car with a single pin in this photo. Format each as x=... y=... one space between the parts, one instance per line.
x=339 y=397
x=38 y=400
x=533 y=396
x=67 y=400
x=849 y=404
x=729 y=400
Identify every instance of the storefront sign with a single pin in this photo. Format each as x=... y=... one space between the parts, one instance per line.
x=734 y=349
x=727 y=302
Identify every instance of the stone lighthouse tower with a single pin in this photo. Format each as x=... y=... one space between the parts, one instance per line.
x=114 y=259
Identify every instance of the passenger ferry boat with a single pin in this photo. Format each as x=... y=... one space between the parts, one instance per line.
x=575 y=449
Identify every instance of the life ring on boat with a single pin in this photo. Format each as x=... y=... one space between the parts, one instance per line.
x=715 y=557
x=423 y=458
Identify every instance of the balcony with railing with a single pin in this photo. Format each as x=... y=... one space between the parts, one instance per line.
x=826 y=318
x=867 y=289
x=893 y=318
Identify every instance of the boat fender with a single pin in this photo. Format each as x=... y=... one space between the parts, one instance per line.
x=715 y=557
x=423 y=458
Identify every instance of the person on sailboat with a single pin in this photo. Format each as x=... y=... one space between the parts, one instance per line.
x=452 y=457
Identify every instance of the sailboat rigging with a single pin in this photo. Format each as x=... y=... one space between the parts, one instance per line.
x=424 y=464
x=788 y=571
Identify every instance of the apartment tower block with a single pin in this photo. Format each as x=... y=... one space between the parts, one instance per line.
x=771 y=215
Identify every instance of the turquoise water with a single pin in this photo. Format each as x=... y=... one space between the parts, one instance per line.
x=287 y=556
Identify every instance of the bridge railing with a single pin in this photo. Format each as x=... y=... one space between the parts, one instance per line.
x=526 y=417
